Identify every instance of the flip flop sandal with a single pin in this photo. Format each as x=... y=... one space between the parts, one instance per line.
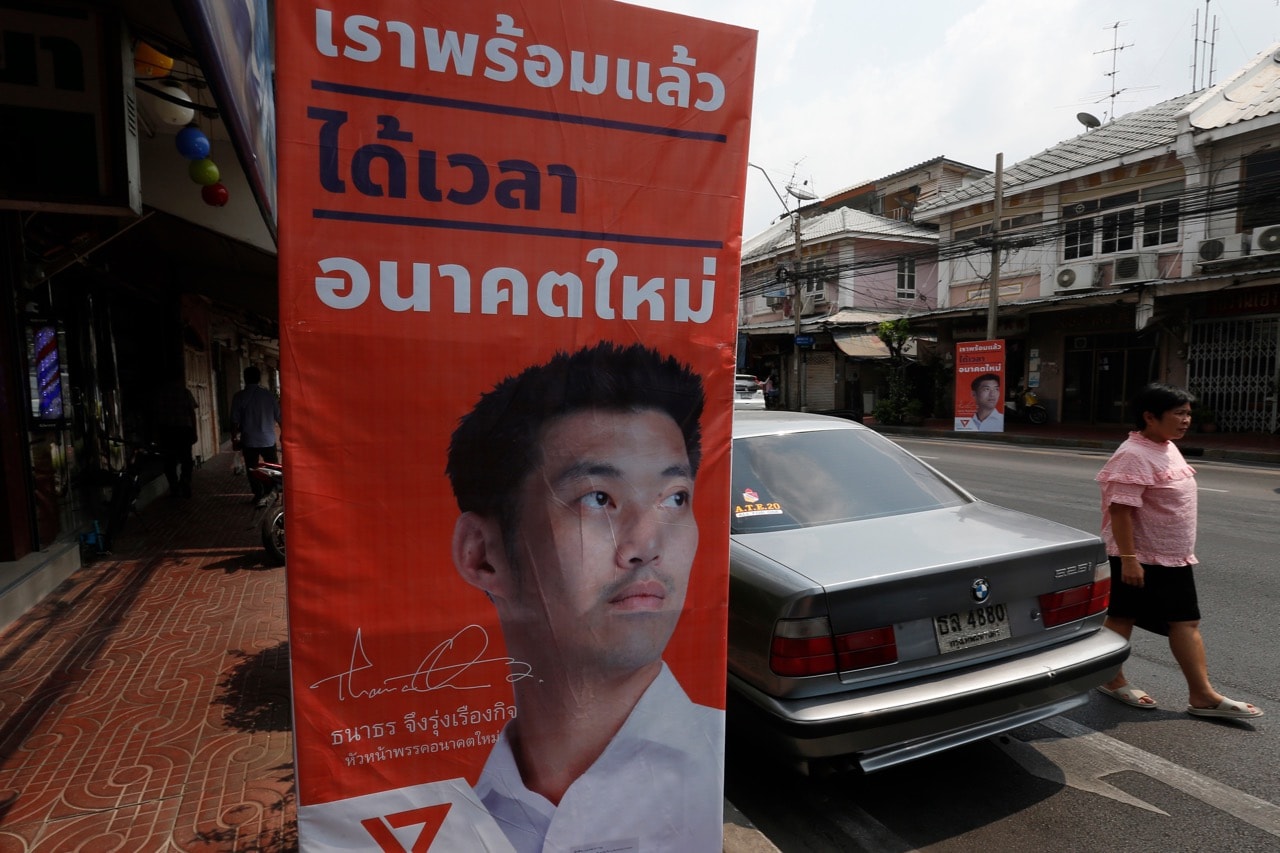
x=1130 y=696
x=1227 y=708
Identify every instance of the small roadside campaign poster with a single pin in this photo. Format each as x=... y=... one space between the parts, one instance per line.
x=510 y=238
x=980 y=386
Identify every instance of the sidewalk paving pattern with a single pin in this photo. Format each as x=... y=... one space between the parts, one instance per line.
x=144 y=706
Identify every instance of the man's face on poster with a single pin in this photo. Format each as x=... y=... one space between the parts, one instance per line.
x=987 y=395
x=604 y=541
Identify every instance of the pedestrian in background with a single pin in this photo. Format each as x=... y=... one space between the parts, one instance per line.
x=173 y=418
x=1149 y=526
x=255 y=414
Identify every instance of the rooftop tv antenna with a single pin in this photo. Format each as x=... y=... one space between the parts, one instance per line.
x=1114 y=50
x=1202 y=51
x=800 y=191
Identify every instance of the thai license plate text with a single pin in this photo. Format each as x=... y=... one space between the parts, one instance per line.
x=976 y=627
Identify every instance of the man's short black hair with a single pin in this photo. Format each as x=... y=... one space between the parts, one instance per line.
x=973 y=386
x=1158 y=398
x=496 y=444
x=252 y=375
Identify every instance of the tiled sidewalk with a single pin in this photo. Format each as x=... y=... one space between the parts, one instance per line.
x=145 y=705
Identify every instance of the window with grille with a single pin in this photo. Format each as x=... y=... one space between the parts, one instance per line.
x=1079 y=239
x=1117 y=231
x=1259 y=197
x=906 y=278
x=1148 y=217
x=815 y=280
x=1160 y=223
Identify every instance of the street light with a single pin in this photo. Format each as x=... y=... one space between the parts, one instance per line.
x=799 y=195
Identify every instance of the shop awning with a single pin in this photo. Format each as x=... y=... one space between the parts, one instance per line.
x=859 y=344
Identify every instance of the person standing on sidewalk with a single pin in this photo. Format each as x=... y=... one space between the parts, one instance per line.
x=1149 y=526
x=173 y=417
x=255 y=414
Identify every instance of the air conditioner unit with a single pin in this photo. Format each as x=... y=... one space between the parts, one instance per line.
x=1228 y=248
x=1140 y=266
x=774 y=301
x=1266 y=240
x=1081 y=276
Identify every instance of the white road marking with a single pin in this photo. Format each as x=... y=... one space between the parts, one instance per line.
x=1087 y=756
x=1061 y=760
x=1080 y=759
x=1219 y=491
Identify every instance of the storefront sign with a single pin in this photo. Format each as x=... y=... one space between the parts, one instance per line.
x=1250 y=300
x=509 y=252
x=980 y=386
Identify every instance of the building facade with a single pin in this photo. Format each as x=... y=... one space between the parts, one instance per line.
x=816 y=284
x=132 y=256
x=1146 y=249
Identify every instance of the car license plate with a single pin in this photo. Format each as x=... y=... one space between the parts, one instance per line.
x=976 y=627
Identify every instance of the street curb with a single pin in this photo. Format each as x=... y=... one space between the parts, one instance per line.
x=741 y=836
x=1224 y=454
x=1001 y=437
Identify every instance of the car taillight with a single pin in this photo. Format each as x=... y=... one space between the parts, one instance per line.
x=807 y=647
x=862 y=649
x=1059 y=608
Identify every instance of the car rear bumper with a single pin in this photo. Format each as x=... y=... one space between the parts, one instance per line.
x=887 y=725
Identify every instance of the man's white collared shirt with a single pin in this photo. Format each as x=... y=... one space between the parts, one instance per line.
x=658 y=786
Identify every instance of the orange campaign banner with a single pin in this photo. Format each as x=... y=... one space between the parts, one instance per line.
x=980 y=386
x=509 y=262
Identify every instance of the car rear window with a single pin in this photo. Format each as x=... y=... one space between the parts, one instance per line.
x=804 y=479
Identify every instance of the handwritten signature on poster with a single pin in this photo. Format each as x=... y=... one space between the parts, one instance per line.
x=458 y=663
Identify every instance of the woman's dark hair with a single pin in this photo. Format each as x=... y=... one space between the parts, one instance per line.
x=1158 y=398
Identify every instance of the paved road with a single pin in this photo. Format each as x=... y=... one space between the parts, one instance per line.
x=1104 y=776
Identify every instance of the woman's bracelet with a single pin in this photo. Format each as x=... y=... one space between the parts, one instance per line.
x=1122 y=556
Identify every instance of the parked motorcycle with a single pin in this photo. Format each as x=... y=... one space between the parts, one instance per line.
x=271 y=476
x=126 y=486
x=1023 y=404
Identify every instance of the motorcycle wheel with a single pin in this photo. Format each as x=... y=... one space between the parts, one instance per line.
x=1037 y=415
x=273 y=534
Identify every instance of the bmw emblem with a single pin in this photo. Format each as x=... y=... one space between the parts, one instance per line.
x=980 y=589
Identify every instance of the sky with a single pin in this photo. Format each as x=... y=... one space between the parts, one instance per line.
x=847 y=91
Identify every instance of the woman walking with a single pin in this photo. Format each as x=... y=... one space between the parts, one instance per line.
x=1149 y=526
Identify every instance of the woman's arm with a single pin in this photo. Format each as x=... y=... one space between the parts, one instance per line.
x=1122 y=529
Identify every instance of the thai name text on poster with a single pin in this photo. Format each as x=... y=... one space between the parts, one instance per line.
x=509 y=259
x=980 y=385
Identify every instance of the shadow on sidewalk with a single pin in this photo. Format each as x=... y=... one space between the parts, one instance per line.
x=256 y=691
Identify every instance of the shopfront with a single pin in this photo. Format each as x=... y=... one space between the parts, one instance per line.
x=1233 y=358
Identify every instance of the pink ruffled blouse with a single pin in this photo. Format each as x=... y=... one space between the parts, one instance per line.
x=1154 y=479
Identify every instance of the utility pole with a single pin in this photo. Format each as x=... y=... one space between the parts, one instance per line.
x=796 y=389
x=796 y=305
x=993 y=291
x=800 y=195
